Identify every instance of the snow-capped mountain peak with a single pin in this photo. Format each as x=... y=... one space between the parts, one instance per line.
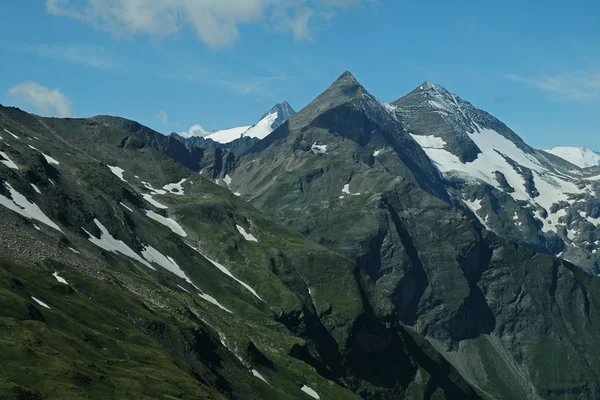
x=580 y=156
x=270 y=121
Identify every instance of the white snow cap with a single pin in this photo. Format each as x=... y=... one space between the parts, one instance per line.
x=579 y=156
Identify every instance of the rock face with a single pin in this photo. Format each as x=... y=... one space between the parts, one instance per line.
x=365 y=179
x=520 y=193
x=125 y=274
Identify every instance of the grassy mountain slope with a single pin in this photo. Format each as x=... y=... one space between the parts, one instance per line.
x=177 y=289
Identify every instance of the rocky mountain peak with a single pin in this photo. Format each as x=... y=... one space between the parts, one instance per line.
x=277 y=115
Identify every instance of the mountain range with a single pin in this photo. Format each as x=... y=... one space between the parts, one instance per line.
x=357 y=249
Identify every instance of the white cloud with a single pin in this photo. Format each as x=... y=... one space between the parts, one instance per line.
x=576 y=86
x=195 y=130
x=162 y=116
x=215 y=22
x=46 y=101
x=90 y=56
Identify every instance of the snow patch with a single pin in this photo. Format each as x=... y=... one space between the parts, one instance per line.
x=245 y=234
x=73 y=250
x=11 y=134
x=214 y=301
x=318 y=149
x=346 y=190
x=107 y=242
x=41 y=303
x=37 y=190
x=227 y=181
x=125 y=206
x=376 y=153
x=259 y=376
x=168 y=222
x=49 y=159
x=148 y=186
x=118 y=172
x=184 y=289
x=59 y=278
x=310 y=392
x=175 y=188
x=154 y=256
x=224 y=270
x=149 y=199
x=19 y=204
x=4 y=159
x=475 y=206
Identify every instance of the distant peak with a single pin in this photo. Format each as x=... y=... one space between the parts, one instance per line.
x=283 y=110
x=347 y=75
x=430 y=86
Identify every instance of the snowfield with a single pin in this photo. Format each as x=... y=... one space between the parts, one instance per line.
x=580 y=156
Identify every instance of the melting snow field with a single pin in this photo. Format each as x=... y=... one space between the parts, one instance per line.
x=110 y=244
x=259 y=376
x=318 y=149
x=224 y=270
x=22 y=206
x=245 y=234
x=149 y=199
x=346 y=190
x=552 y=188
x=118 y=172
x=58 y=278
x=476 y=206
x=11 y=134
x=168 y=222
x=4 y=159
x=151 y=189
x=37 y=190
x=175 y=188
x=49 y=159
x=41 y=303
x=126 y=207
x=214 y=301
x=310 y=392
x=154 y=256
x=227 y=181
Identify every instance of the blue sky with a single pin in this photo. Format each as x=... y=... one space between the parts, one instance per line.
x=170 y=64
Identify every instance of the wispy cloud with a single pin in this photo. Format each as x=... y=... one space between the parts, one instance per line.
x=91 y=56
x=215 y=22
x=195 y=130
x=162 y=116
x=241 y=84
x=575 y=86
x=51 y=102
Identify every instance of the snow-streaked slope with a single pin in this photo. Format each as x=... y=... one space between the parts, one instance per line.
x=227 y=135
x=19 y=204
x=579 y=156
x=7 y=161
x=168 y=222
x=107 y=242
x=494 y=150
